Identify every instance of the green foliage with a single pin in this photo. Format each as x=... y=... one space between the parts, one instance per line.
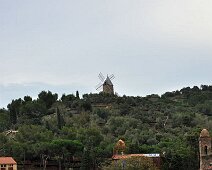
x=90 y=137
x=14 y=109
x=102 y=113
x=69 y=100
x=4 y=120
x=169 y=125
x=27 y=99
x=77 y=94
x=60 y=120
x=32 y=134
x=48 y=98
x=31 y=112
x=86 y=163
x=68 y=133
x=65 y=147
x=86 y=105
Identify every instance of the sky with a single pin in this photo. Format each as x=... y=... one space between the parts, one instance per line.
x=150 y=46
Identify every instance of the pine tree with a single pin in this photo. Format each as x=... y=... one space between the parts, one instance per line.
x=77 y=94
x=59 y=120
x=86 y=160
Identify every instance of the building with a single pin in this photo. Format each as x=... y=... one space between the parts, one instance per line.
x=154 y=156
x=118 y=154
x=7 y=163
x=108 y=86
x=205 y=150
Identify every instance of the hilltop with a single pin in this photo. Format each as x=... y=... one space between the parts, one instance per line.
x=88 y=127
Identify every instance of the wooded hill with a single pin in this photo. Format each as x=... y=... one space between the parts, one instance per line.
x=88 y=128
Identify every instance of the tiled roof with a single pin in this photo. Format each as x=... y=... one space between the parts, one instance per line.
x=7 y=160
x=134 y=155
x=125 y=156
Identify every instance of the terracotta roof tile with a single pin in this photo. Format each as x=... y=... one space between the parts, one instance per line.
x=7 y=160
x=134 y=155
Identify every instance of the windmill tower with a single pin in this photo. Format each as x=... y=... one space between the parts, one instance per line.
x=106 y=83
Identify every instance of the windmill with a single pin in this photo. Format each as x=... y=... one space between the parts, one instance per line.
x=106 y=83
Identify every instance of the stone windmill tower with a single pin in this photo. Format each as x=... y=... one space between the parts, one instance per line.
x=106 y=83
x=205 y=150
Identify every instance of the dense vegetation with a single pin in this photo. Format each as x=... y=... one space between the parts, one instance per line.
x=88 y=128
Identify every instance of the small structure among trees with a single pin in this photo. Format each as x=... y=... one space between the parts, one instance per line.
x=119 y=147
x=133 y=161
x=8 y=163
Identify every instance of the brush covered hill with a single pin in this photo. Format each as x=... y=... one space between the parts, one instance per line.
x=88 y=128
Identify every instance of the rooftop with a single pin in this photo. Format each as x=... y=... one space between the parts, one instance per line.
x=135 y=155
x=7 y=160
x=108 y=81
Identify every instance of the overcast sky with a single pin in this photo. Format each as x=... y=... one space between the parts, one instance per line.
x=151 y=46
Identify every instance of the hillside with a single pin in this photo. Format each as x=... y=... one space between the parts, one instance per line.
x=89 y=127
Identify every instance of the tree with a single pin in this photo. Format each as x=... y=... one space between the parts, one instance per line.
x=86 y=105
x=4 y=120
x=33 y=109
x=178 y=154
x=14 y=109
x=33 y=134
x=48 y=98
x=65 y=146
x=68 y=99
x=77 y=94
x=86 y=163
x=90 y=137
x=3 y=142
x=27 y=99
x=63 y=149
x=60 y=120
x=30 y=142
x=204 y=87
x=102 y=113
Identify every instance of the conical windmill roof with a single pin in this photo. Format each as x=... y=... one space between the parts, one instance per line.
x=108 y=81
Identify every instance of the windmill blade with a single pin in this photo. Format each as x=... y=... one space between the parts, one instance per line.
x=99 y=86
x=101 y=77
x=111 y=77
